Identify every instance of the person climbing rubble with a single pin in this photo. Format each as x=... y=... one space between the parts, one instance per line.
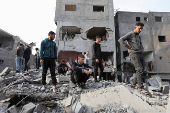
x=48 y=55
x=135 y=50
x=80 y=72
x=62 y=68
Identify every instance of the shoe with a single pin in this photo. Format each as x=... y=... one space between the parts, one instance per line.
x=54 y=90
x=43 y=88
x=17 y=71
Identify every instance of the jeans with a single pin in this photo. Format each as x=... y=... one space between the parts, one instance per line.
x=37 y=62
x=18 y=63
x=139 y=64
x=49 y=63
x=26 y=66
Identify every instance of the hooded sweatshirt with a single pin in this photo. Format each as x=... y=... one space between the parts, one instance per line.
x=48 y=49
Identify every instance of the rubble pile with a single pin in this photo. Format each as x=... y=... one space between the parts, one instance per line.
x=21 y=93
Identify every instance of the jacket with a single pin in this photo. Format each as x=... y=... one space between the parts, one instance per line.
x=27 y=53
x=48 y=49
x=20 y=51
x=96 y=51
x=134 y=40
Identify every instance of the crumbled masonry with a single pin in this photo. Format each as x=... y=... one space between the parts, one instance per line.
x=21 y=93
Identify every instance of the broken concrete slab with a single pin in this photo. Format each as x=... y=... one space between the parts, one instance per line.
x=28 y=108
x=40 y=108
x=165 y=89
x=12 y=109
x=77 y=107
x=67 y=102
x=155 y=81
x=6 y=71
x=62 y=78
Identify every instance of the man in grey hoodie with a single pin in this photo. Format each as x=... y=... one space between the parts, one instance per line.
x=135 y=50
x=19 y=56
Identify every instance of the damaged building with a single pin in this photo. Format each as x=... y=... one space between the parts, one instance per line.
x=155 y=39
x=8 y=45
x=85 y=20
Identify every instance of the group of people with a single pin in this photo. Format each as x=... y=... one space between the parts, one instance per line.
x=20 y=54
x=80 y=68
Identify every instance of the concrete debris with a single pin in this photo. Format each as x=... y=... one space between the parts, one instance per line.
x=28 y=108
x=104 y=96
x=12 y=109
x=40 y=108
x=5 y=71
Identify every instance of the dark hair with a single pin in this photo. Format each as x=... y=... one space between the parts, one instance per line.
x=139 y=24
x=51 y=33
x=98 y=37
x=81 y=56
x=36 y=49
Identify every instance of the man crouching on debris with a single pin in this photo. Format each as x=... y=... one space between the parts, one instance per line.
x=135 y=50
x=48 y=55
x=80 y=72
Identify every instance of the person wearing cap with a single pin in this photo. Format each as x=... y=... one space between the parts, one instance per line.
x=62 y=68
x=97 y=58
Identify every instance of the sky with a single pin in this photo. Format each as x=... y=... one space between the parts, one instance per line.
x=31 y=20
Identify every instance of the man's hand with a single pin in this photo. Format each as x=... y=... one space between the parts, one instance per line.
x=87 y=72
x=129 y=47
x=66 y=68
x=90 y=71
x=41 y=61
x=97 y=60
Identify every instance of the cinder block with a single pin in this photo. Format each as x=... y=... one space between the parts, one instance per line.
x=40 y=108
x=6 y=71
x=165 y=89
x=61 y=78
x=28 y=108
x=77 y=107
x=12 y=109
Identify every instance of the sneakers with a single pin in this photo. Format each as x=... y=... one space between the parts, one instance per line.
x=54 y=90
x=43 y=88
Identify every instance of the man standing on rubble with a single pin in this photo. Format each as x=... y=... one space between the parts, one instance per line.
x=80 y=72
x=48 y=56
x=19 y=56
x=97 y=58
x=27 y=53
x=135 y=49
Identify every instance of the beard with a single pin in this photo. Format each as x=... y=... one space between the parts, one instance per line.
x=51 y=38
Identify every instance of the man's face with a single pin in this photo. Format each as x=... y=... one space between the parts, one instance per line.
x=98 y=40
x=138 y=29
x=52 y=37
x=80 y=60
x=63 y=62
x=87 y=53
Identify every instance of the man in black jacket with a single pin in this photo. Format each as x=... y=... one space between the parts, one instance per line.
x=19 y=57
x=97 y=58
x=81 y=72
x=27 y=53
x=62 y=68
